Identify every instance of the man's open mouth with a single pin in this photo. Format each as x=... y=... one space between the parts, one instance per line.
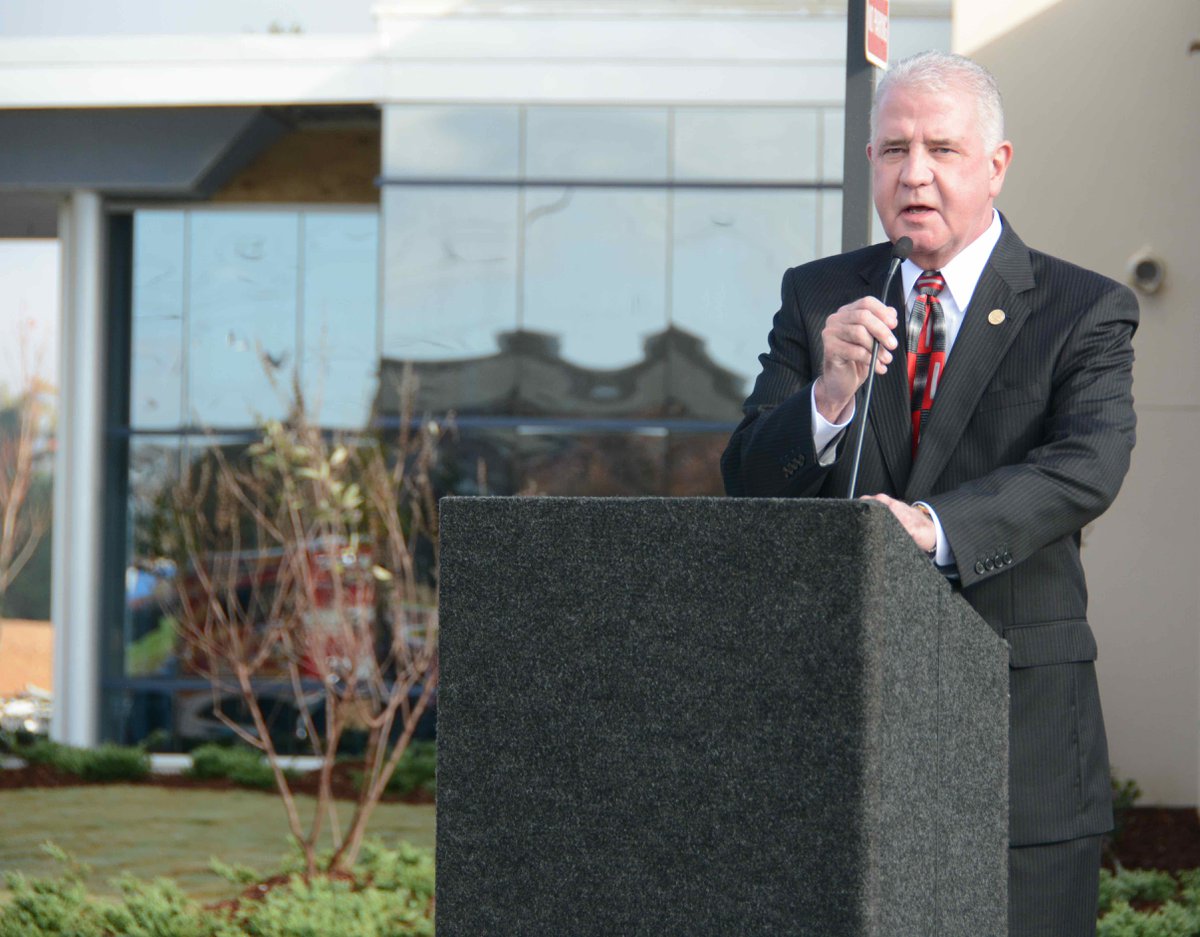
x=917 y=210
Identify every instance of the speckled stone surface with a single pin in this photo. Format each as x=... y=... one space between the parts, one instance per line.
x=712 y=716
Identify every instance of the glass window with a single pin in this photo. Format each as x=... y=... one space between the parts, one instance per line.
x=596 y=143
x=243 y=286
x=476 y=459
x=833 y=144
x=595 y=272
x=150 y=639
x=831 y=223
x=340 y=297
x=156 y=374
x=595 y=464
x=746 y=144
x=731 y=249
x=694 y=464
x=451 y=142
x=450 y=271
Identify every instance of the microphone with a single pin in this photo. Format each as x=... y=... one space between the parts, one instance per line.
x=900 y=251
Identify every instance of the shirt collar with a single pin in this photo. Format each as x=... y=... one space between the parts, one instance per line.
x=963 y=271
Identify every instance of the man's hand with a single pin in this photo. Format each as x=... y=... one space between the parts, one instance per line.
x=916 y=522
x=847 y=339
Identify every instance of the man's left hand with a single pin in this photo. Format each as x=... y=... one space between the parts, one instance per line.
x=915 y=522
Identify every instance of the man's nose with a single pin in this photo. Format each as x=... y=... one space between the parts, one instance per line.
x=916 y=170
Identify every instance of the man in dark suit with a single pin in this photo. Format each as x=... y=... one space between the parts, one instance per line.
x=1002 y=423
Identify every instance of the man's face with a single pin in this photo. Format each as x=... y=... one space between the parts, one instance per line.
x=933 y=179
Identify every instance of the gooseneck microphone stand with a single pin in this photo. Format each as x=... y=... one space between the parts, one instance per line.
x=900 y=251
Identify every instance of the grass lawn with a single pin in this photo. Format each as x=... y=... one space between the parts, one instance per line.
x=152 y=831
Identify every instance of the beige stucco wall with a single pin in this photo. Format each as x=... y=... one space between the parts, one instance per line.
x=26 y=649
x=1102 y=99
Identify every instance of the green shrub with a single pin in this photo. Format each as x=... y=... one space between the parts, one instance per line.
x=389 y=894
x=1145 y=885
x=416 y=770
x=243 y=766
x=114 y=763
x=106 y=763
x=333 y=908
x=1174 y=905
x=44 y=752
x=1189 y=887
x=157 y=909
x=1125 y=794
x=216 y=761
x=47 y=908
x=1171 y=920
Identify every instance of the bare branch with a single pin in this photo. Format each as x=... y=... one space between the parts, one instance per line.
x=299 y=561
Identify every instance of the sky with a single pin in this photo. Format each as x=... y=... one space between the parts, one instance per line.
x=28 y=311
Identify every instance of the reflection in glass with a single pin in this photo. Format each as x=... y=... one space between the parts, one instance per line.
x=451 y=141
x=597 y=464
x=831 y=223
x=150 y=640
x=156 y=373
x=595 y=271
x=746 y=143
x=450 y=284
x=731 y=250
x=340 y=293
x=596 y=143
x=242 y=289
x=552 y=386
x=694 y=464
x=833 y=125
x=699 y=387
x=477 y=460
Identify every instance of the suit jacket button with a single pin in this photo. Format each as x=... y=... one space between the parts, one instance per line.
x=979 y=567
x=988 y=564
x=998 y=560
x=1007 y=558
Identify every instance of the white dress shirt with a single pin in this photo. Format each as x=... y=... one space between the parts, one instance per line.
x=961 y=274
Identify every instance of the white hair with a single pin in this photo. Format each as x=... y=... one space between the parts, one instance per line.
x=940 y=72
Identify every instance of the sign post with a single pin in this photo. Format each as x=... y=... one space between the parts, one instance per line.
x=866 y=49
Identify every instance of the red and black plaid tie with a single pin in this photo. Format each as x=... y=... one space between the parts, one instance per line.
x=926 y=349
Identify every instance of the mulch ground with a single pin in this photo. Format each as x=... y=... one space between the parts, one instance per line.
x=343 y=782
x=1166 y=838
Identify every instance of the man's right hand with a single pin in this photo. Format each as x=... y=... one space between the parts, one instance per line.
x=847 y=339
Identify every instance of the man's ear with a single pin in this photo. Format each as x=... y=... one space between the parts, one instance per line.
x=1001 y=159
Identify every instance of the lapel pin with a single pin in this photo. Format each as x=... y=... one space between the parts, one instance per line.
x=996 y=316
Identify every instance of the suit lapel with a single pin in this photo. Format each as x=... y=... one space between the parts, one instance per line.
x=889 y=418
x=977 y=352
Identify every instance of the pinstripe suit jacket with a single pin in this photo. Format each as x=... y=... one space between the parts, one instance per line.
x=1028 y=440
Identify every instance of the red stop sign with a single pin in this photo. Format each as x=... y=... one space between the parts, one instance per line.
x=877 y=32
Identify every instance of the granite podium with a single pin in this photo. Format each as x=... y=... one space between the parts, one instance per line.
x=709 y=716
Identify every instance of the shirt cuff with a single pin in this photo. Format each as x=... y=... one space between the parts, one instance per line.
x=825 y=434
x=943 y=555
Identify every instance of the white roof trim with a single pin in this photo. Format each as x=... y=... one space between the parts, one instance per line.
x=796 y=58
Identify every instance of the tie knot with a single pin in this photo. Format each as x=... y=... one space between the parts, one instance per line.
x=930 y=283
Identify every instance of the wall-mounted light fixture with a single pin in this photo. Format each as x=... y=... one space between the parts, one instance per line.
x=1146 y=272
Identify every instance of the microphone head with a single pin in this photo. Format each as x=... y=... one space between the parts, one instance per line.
x=902 y=248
